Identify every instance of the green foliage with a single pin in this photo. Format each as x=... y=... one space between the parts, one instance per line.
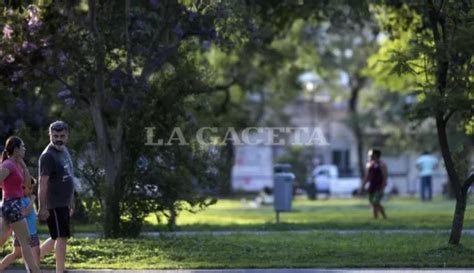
x=123 y=68
x=414 y=52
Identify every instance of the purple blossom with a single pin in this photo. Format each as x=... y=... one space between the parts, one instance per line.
x=16 y=48
x=7 y=128
x=178 y=30
x=192 y=15
x=140 y=24
x=37 y=72
x=212 y=33
x=70 y=102
x=116 y=78
x=66 y=96
x=7 y=32
x=65 y=93
x=28 y=47
x=34 y=23
x=45 y=42
x=20 y=105
x=206 y=44
x=9 y=58
x=154 y=4
x=115 y=82
x=33 y=11
x=18 y=124
x=114 y=103
x=17 y=76
x=62 y=57
x=46 y=53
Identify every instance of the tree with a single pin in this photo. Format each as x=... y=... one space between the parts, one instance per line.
x=439 y=58
x=103 y=57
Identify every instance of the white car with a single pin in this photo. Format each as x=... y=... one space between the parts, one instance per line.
x=327 y=180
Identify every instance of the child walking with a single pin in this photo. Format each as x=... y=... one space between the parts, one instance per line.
x=29 y=212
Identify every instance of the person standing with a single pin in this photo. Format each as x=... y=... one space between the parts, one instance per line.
x=376 y=176
x=56 y=191
x=13 y=175
x=426 y=164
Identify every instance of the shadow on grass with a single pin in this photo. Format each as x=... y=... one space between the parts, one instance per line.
x=272 y=226
x=451 y=250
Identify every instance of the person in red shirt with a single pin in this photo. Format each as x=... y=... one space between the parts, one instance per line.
x=376 y=176
x=13 y=175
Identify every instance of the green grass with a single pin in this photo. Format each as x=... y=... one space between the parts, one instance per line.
x=281 y=249
x=403 y=213
x=321 y=248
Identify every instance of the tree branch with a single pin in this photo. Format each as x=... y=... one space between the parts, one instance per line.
x=215 y=88
x=440 y=7
x=441 y=63
x=224 y=103
x=56 y=77
x=157 y=61
x=468 y=182
x=448 y=116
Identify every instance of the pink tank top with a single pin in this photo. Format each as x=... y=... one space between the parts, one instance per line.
x=12 y=184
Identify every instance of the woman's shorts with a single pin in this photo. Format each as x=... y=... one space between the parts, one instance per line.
x=11 y=210
x=375 y=197
x=34 y=240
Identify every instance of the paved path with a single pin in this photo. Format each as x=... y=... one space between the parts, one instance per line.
x=282 y=270
x=467 y=232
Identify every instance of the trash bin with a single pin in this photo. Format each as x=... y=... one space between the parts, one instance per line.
x=283 y=191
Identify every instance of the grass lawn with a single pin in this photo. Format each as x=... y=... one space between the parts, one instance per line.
x=403 y=213
x=281 y=249
x=321 y=248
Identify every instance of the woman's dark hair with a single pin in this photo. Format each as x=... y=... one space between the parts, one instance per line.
x=376 y=153
x=10 y=145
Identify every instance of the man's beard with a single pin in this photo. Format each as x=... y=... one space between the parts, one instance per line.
x=58 y=143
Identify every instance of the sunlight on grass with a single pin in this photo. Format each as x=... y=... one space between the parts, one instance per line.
x=276 y=250
x=355 y=213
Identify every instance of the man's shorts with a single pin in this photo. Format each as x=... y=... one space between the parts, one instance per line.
x=11 y=210
x=34 y=240
x=58 y=223
x=375 y=197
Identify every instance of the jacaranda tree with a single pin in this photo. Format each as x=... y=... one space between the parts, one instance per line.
x=104 y=58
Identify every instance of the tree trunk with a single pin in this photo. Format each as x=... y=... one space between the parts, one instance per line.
x=357 y=82
x=111 y=158
x=225 y=184
x=458 y=220
x=360 y=147
x=172 y=219
x=438 y=29
x=459 y=191
x=112 y=214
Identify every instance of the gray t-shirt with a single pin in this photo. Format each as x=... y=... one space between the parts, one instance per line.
x=58 y=166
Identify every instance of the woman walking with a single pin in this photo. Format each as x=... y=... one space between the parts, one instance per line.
x=13 y=175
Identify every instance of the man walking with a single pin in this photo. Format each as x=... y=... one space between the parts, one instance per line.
x=376 y=176
x=56 y=189
x=426 y=164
